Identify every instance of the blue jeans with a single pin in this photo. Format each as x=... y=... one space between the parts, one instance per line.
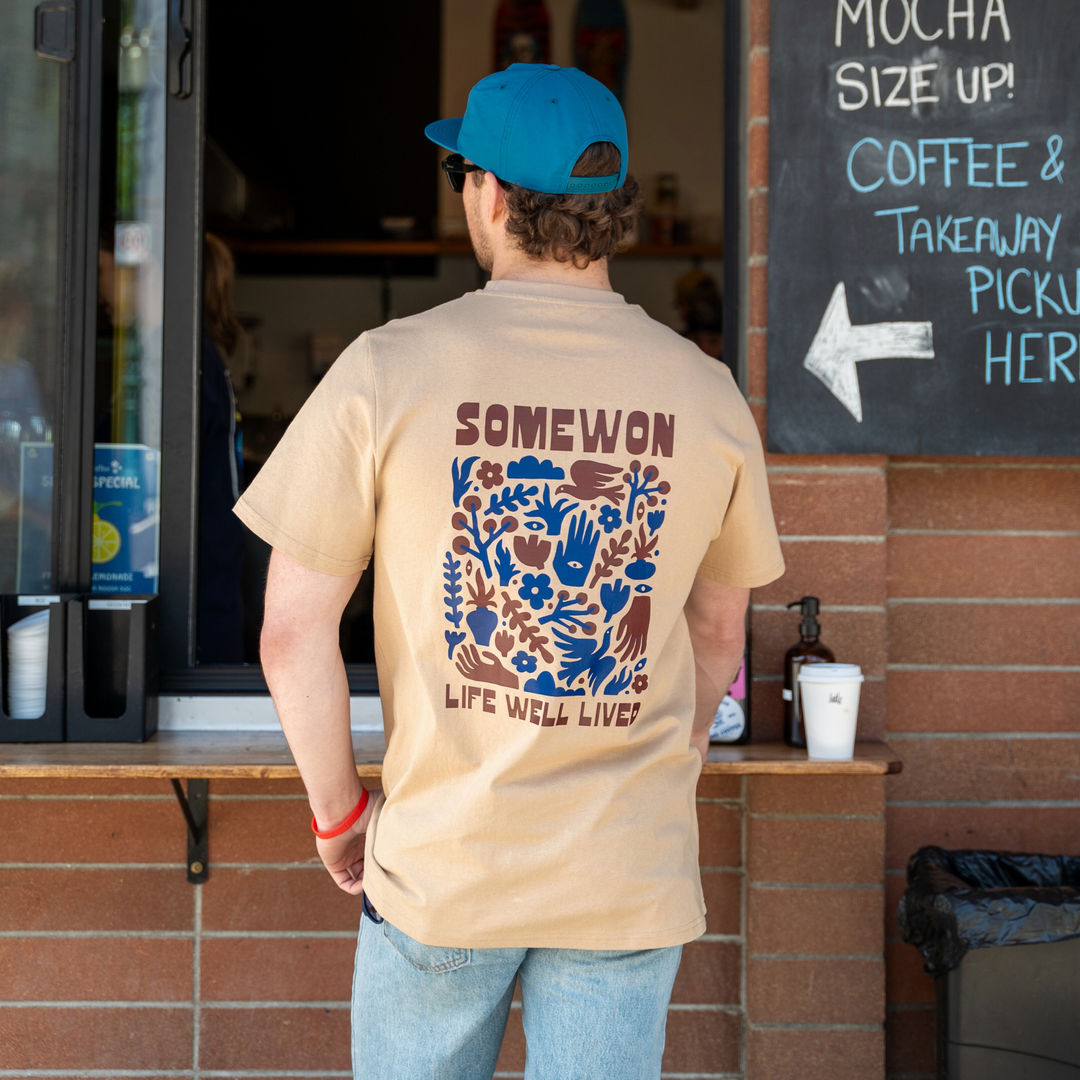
x=422 y=1012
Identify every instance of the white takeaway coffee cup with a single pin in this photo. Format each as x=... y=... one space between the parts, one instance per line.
x=830 y=709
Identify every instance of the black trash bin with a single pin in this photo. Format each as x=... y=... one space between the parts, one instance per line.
x=1003 y=1013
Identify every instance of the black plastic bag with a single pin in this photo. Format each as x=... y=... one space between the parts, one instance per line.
x=960 y=900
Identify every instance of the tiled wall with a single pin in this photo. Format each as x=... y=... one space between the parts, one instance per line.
x=956 y=584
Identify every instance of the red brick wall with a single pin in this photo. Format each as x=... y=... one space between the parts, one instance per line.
x=110 y=960
x=983 y=686
x=955 y=583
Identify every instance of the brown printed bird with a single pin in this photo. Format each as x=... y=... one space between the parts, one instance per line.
x=589 y=479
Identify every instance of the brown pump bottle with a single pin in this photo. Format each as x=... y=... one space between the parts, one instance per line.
x=808 y=651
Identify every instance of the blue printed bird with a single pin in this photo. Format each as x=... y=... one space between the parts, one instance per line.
x=584 y=655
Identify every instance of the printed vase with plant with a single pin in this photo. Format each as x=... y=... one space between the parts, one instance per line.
x=482 y=620
x=642 y=567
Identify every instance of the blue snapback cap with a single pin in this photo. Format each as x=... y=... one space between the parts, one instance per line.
x=530 y=123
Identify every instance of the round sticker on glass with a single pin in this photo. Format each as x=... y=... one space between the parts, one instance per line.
x=729 y=722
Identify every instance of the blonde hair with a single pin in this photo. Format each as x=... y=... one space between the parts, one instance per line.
x=219 y=273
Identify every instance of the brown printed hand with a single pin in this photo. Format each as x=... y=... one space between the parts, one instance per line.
x=472 y=667
x=634 y=630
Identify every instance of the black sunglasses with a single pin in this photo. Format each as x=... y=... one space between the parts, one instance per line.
x=456 y=170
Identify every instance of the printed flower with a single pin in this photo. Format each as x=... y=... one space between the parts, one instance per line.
x=490 y=474
x=524 y=662
x=641 y=683
x=610 y=519
x=536 y=588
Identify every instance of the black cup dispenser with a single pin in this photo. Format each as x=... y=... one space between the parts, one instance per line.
x=112 y=668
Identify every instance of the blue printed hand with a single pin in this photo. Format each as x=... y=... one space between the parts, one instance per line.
x=572 y=563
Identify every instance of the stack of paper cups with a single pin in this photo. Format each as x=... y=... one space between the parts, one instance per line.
x=28 y=666
x=830 y=709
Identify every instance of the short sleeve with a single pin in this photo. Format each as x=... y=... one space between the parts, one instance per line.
x=314 y=499
x=746 y=554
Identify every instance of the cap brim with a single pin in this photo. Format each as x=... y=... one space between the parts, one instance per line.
x=445 y=133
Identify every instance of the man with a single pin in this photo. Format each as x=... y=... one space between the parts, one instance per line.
x=569 y=505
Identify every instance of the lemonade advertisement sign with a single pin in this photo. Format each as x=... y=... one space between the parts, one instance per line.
x=124 y=543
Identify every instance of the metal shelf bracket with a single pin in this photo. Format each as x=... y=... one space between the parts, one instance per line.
x=193 y=805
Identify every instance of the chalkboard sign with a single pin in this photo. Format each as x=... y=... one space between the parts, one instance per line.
x=924 y=206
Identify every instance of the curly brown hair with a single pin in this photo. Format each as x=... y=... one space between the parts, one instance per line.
x=575 y=228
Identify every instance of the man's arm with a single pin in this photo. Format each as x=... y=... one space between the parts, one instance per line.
x=302 y=662
x=716 y=616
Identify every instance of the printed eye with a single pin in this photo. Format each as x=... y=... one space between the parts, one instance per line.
x=643 y=588
x=574 y=564
x=536 y=526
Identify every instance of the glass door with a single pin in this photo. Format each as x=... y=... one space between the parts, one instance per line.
x=125 y=512
x=31 y=115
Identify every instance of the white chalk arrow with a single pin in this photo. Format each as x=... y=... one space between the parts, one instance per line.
x=838 y=347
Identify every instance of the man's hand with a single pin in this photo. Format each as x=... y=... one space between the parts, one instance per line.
x=700 y=741
x=343 y=856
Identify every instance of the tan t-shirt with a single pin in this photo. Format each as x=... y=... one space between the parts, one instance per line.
x=542 y=470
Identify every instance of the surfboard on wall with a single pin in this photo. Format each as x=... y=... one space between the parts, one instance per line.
x=522 y=34
x=602 y=42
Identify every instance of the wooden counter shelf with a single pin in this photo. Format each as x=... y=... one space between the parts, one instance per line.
x=201 y=756
x=264 y=755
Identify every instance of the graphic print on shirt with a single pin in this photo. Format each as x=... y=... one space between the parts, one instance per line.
x=550 y=557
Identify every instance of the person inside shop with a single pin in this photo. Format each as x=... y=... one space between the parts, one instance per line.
x=570 y=506
x=221 y=535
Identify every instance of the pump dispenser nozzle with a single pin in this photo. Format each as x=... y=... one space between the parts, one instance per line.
x=808 y=651
x=809 y=605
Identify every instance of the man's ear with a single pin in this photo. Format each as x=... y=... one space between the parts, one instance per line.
x=493 y=199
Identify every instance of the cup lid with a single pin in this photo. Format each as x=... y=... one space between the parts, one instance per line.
x=830 y=673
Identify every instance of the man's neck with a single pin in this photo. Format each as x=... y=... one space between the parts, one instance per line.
x=513 y=266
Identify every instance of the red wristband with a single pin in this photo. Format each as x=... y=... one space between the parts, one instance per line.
x=347 y=824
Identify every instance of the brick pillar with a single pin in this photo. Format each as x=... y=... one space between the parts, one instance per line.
x=704 y=1028
x=815 y=970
